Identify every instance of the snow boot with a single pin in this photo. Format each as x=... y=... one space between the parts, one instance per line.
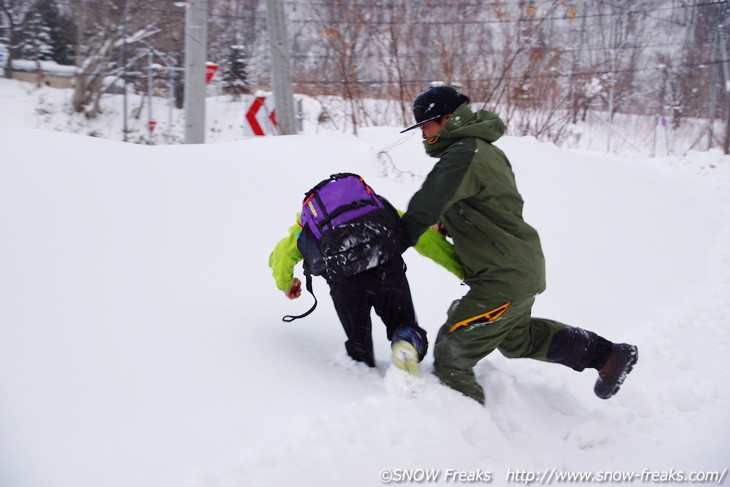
x=408 y=349
x=614 y=371
x=405 y=357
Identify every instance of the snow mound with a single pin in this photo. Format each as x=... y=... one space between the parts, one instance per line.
x=141 y=341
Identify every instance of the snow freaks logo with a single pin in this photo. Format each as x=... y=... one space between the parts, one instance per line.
x=423 y=475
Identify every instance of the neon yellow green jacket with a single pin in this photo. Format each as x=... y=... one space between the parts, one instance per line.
x=286 y=255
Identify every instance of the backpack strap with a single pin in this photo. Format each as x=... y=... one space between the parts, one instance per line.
x=344 y=209
x=325 y=214
x=290 y=318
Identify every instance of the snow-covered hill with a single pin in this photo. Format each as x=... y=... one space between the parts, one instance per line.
x=141 y=341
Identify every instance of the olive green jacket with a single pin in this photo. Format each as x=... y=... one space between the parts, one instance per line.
x=286 y=255
x=472 y=191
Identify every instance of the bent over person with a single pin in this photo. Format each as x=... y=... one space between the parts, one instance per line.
x=471 y=195
x=352 y=237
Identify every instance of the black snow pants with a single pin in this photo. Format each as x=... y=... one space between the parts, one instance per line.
x=383 y=288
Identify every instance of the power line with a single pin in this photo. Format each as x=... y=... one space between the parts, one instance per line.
x=483 y=52
x=648 y=13
x=310 y=21
x=523 y=18
x=532 y=77
x=551 y=48
x=510 y=78
x=340 y=21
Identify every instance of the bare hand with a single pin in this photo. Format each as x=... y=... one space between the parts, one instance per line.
x=439 y=227
x=295 y=290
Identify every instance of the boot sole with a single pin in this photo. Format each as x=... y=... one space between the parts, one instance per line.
x=405 y=358
x=634 y=357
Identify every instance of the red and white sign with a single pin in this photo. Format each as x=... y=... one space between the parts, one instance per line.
x=260 y=116
x=210 y=69
x=151 y=125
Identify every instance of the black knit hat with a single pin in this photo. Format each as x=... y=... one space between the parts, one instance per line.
x=435 y=102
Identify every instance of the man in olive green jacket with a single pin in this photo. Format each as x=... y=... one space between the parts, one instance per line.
x=471 y=195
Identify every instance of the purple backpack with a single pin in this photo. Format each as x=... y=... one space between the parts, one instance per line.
x=346 y=229
x=337 y=200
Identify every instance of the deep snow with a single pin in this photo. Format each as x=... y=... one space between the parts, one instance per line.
x=141 y=341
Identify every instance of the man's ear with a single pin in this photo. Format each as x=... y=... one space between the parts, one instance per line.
x=445 y=119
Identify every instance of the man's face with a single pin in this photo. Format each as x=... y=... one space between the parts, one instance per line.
x=429 y=129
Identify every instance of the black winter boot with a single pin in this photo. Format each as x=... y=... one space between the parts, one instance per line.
x=582 y=349
x=613 y=373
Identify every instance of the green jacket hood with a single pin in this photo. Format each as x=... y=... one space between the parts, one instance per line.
x=463 y=123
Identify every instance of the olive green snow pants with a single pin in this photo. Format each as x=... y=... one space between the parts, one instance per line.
x=478 y=324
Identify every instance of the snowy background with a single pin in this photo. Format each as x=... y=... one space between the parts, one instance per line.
x=141 y=341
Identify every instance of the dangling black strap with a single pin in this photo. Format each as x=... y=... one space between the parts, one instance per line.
x=290 y=318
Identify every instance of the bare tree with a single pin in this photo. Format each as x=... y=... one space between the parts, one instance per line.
x=621 y=36
x=117 y=37
x=16 y=14
x=345 y=31
x=234 y=43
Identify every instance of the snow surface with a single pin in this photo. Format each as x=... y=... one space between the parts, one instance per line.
x=141 y=341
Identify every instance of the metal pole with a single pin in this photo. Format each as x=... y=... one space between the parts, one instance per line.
x=726 y=77
x=610 y=116
x=195 y=47
x=281 y=67
x=170 y=102
x=124 y=72
x=713 y=91
x=149 y=98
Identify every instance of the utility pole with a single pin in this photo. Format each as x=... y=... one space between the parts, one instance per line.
x=726 y=76
x=150 y=120
x=281 y=68
x=610 y=115
x=196 y=33
x=713 y=90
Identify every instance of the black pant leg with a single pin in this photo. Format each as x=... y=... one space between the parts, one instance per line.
x=353 y=308
x=392 y=295
x=394 y=305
